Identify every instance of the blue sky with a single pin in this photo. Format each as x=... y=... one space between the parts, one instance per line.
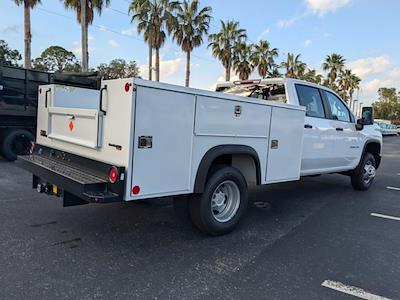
x=366 y=33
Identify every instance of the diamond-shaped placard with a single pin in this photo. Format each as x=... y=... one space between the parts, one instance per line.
x=71 y=125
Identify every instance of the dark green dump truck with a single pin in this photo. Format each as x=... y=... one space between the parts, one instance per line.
x=18 y=104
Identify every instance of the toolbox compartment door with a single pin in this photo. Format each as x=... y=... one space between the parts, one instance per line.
x=74 y=115
x=77 y=126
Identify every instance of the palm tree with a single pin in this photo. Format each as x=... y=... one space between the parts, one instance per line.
x=141 y=13
x=295 y=68
x=275 y=72
x=192 y=23
x=334 y=64
x=28 y=5
x=163 y=22
x=348 y=83
x=241 y=61
x=263 y=58
x=223 y=43
x=91 y=6
x=312 y=76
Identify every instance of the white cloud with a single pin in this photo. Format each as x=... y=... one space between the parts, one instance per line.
x=370 y=65
x=319 y=7
x=113 y=43
x=307 y=43
x=128 y=32
x=103 y=28
x=373 y=85
x=11 y=29
x=90 y=37
x=168 y=68
x=395 y=74
x=78 y=51
x=264 y=33
x=322 y=7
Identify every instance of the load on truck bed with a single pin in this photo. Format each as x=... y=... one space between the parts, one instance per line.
x=135 y=139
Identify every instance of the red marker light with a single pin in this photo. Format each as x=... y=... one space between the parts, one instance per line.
x=127 y=87
x=113 y=174
x=136 y=190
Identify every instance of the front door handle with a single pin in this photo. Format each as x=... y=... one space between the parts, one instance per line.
x=308 y=126
x=339 y=129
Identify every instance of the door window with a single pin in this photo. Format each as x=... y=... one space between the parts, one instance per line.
x=311 y=99
x=338 y=108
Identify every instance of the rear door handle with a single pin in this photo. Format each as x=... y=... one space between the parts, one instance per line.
x=308 y=126
x=339 y=129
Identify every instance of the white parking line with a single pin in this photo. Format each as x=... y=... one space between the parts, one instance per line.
x=385 y=216
x=351 y=290
x=393 y=188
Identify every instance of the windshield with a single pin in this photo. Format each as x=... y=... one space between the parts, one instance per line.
x=269 y=92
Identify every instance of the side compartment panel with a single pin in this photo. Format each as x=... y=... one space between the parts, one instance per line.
x=221 y=118
x=285 y=145
x=167 y=118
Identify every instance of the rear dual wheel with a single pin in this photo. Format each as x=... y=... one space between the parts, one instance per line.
x=219 y=209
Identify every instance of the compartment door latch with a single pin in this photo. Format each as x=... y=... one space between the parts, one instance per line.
x=145 y=142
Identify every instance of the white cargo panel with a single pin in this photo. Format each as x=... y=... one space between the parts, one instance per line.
x=70 y=119
x=166 y=119
x=217 y=117
x=285 y=144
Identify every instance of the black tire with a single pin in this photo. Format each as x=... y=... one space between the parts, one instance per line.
x=204 y=218
x=15 y=142
x=358 y=177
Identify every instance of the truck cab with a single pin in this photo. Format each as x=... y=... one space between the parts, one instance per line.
x=334 y=140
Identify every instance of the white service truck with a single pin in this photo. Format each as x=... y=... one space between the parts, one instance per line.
x=136 y=139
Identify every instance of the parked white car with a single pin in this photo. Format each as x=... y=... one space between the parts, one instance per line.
x=136 y=139
x=388 y=129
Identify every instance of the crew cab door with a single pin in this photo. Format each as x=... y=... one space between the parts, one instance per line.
x=348 y=140
x=319 y=133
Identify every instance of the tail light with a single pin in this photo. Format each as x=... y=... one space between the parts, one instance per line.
x=113 y=174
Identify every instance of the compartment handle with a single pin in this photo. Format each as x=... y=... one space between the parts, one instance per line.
x=101 y=99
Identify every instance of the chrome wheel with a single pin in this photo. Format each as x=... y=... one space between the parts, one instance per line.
x=369 y=172
x=225 y=201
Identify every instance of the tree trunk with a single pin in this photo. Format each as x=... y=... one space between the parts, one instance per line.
x=150 y=62
x=84 y=42
x=187 y=68
x=228 y=72
x=28 y=35
x=157 y=64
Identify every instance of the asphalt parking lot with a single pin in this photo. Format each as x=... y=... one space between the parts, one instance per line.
x=313 y=239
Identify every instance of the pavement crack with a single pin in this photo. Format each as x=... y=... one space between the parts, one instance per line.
x=44 y=224
x=67 y=241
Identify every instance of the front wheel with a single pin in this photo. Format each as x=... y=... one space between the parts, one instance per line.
x=363 y=177
x=218 y=210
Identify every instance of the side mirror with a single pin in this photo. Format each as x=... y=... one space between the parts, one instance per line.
x=360 y=124
x=368 y=115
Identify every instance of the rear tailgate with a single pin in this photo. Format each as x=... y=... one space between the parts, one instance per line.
x=74 y=115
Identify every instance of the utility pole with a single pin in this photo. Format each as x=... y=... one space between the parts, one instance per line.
x=84 y=25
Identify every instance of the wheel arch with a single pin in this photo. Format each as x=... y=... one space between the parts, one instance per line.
x=374 y=147
x=222 y=153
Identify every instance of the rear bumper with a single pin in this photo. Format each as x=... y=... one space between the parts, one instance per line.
x=79 y=180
